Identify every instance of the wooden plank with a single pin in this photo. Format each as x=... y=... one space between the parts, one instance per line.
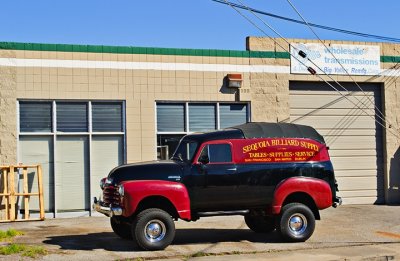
x=41 y=198
x=25 y=192
x=21 y=220
x=6 y=192
x=27 y=166
x=12 y=193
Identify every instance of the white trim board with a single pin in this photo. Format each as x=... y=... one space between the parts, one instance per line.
x=16 y=62
x=84 y=64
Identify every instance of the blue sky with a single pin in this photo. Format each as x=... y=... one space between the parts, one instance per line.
x=184 y=23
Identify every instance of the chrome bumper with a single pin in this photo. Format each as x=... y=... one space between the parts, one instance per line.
x=108 y=211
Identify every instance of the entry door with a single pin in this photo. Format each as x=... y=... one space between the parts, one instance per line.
x=39 y=150
x=218 y=172
x=72 y=175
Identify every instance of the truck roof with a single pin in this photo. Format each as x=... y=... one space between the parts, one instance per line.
x=278 y=130
x=253 y=130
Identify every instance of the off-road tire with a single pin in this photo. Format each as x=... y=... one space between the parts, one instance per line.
x=260 y=224
x=121 y=227
x=296 y=222
x=153 y=229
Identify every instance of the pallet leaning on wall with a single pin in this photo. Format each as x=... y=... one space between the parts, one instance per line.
x=10 y=192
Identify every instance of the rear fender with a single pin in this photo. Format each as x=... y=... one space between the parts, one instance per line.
x=136 y=191
x=319 y=190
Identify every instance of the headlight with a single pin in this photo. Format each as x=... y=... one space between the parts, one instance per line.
x=121 y=190
x=109 y=181
x=102 y=183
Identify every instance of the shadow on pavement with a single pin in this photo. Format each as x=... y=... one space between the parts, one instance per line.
x=111 y=242
x=200 y=236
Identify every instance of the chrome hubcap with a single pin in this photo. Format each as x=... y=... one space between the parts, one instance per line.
x=297 y=223
x=155 y=230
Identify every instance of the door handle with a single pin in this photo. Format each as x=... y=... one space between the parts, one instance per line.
x=233 y=169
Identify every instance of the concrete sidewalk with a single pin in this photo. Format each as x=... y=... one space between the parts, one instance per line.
x=354 y=232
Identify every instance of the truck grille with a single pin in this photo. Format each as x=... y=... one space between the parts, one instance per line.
x=111 y=196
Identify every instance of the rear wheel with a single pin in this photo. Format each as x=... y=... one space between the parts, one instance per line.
x=153 y=229
x=260 y=224
x=296 y=222
x=121 y=227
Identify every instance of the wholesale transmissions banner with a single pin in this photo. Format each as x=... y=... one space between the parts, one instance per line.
x=356 y=59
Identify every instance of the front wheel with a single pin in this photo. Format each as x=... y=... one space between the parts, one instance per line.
x=296 y=222
x=153 y=229
x=121 y=227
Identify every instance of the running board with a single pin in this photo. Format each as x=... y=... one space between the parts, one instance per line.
x=223 y=213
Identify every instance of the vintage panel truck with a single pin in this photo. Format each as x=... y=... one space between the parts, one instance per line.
x=277 y=175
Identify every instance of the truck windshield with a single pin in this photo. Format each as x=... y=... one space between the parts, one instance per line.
x=185 y=150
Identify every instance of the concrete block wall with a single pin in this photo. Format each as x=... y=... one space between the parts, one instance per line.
x=8 y=121
x=140 y=88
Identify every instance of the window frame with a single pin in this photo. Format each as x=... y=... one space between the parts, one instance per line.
x=89 y=134
x=214 y=142
x=186 y=118
x=186 y=114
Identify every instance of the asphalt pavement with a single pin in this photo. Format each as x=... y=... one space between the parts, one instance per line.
x=350 y=232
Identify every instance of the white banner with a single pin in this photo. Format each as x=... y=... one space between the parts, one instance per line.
x=356 y=59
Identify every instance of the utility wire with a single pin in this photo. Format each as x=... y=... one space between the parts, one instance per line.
x=311 y=61
x=326 y=47
x=314 y=73
x=365 y=35
x=358 y=100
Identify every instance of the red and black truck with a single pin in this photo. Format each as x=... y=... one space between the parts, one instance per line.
x=277 y=175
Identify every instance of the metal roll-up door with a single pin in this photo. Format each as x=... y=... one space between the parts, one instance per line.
x=352 y=134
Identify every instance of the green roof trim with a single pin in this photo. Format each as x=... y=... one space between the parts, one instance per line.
x=140 y=50
x=390 y=59
x=155 y=51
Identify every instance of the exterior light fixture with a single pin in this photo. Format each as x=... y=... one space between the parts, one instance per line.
x=234 y=80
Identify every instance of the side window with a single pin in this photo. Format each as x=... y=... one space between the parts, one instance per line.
x=216 y=153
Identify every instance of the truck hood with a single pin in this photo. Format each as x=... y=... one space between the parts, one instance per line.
x=152 y=170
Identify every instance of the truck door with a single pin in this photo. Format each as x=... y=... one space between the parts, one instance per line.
x=217 y=169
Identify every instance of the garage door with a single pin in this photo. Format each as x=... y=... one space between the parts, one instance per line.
x=354 y=138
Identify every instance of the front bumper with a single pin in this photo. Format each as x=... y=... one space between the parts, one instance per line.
x=108 y=211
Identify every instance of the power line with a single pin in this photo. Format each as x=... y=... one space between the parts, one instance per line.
x=338 y=30
x=311 y=70
x=380 y=114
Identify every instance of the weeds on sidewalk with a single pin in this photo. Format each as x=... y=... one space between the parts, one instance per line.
x=9 y=234
x=25 y=250
x=13 y=248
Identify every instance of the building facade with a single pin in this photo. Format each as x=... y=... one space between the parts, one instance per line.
x=81 y=110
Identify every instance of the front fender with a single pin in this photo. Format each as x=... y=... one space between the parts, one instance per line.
x=319 y=190
x=136 y=191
